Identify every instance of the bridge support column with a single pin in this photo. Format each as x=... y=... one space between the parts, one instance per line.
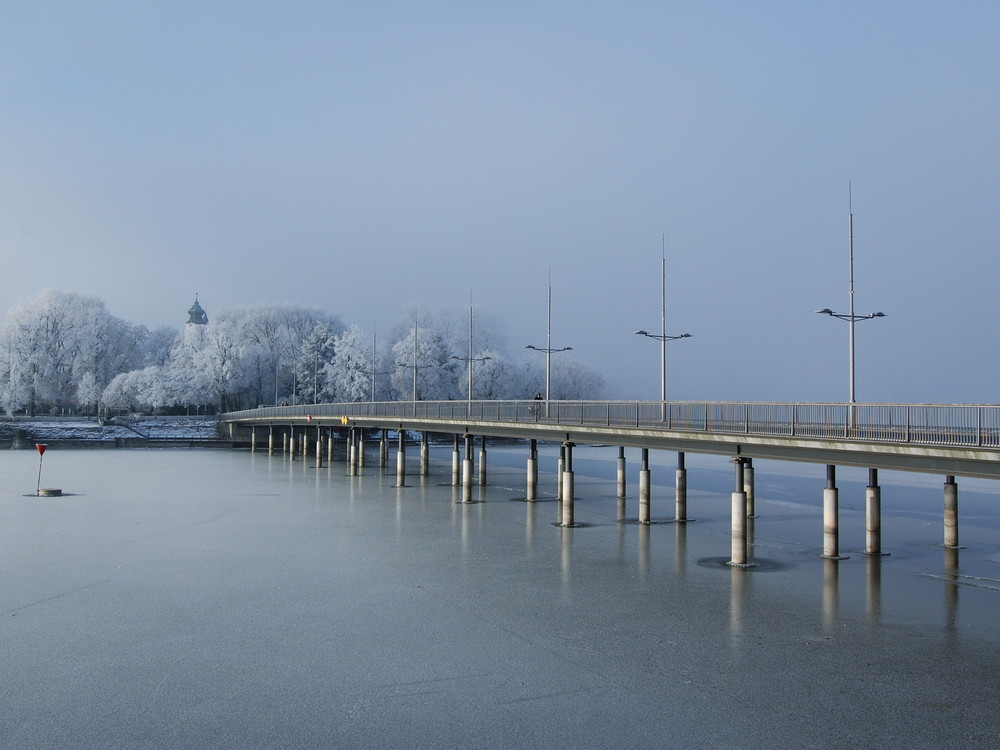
x=401 y=459
x=748 y=487
x=482 y=460
x=291 y=444
x=467 y=471
x=567 y=487
x=352 y=454
x=831 y=516
x=680 y=491
x=644 y=487
x=329 y=447
x=270 y=440
x=560 y=467
x=621 y=472
x=319 y=449
x=424 y=454
x=361 y=449
x=738 y=546
x=456 y=465
x=873 y=515
x=951 y=513
x=304 y=443
x=253 y=439
x=531 y=492
x=383 y=449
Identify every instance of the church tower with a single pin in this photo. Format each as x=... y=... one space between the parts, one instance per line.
x=196 y=315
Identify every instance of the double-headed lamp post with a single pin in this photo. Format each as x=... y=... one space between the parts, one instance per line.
x=663 y=338
x=549 y=351
x=851 y=319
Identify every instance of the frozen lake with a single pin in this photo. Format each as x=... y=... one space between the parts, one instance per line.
x=210 y=598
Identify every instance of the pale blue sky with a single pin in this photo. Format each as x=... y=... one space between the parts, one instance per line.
x=362 y=157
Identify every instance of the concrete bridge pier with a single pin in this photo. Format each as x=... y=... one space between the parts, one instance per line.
x=304 y=443
x=424 y=454
x=560 y=466
x=456 y=464
x=361 y=449
x=383 y=449
x=319 y=448
x=831 y=516
x=531 y=492
x=951 y=513
x=680 y=490
x=567 y=487
x=467 y=471
x=621 y=472
x=738 y=546
x=482 y=460
x=748 y=486
x=401 y=459
x=352 y=454
x=873 y=515
x=644 y=487
x=291 y=444
x=329 y=447
x=253 y=439
x=270 y=440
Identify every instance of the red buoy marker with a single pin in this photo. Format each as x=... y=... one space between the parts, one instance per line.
x=40 y=447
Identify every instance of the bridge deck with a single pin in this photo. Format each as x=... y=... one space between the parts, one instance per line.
x=947 y=439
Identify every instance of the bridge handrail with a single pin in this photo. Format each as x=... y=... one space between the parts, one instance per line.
x=967 y=425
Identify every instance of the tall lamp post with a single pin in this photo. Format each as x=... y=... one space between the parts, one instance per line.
x=663 y=337
x=549 y=351
x=470 y=359
x=850 y=317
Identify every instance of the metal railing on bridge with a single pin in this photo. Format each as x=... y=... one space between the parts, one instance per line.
x=968 y=425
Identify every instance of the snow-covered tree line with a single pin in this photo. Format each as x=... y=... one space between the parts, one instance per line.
x=62 y=351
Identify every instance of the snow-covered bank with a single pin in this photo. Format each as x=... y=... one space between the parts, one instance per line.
x=79 y=429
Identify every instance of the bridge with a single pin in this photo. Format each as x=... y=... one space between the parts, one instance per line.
x=948 y=439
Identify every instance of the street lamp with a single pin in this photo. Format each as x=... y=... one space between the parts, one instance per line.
x=850 y=317
x=549 y=351
x=470 y=359
x=663 y=337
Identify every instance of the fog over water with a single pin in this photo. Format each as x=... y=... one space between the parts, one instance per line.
x=215 y=598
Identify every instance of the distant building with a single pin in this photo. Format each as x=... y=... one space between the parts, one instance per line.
x=196 y=315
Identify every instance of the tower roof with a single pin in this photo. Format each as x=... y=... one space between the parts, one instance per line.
x=196 y=314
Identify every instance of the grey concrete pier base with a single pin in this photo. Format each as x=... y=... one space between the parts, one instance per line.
x=873 y=515
x=951 y=513
x=383 y=450
x=270 y=441
x=531 y=491
x=560 y=467
x=319 y=450
x=401 y=460
x=352 y=455
x=329 y=448
x=467 y=469
x=748 y=487
x=361 y=449
x=424 y=455
x=738 y=544
x=253 y=439
x=621 y=472
x=456 y=465
x=567 y=488
x=680 y=490
x=644 y=488
x=831 y=516
x=291 y=447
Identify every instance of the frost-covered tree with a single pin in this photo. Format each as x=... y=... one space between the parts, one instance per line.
x=348 y=376
x=423 y=367
x=315 y=354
